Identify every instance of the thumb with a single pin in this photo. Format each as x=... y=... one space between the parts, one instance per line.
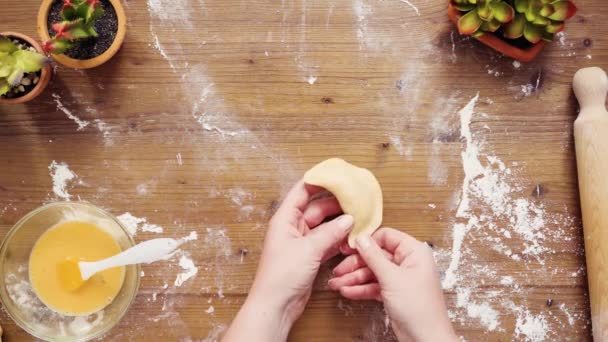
x=329 y=235
x=374 y=257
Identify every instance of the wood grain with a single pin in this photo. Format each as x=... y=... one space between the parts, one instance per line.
x=384 y=75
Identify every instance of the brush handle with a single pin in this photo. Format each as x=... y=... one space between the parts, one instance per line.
x=591 y=141
x=145 y=252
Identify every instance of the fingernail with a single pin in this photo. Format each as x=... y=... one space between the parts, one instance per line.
x=363 y=242
x=345 y=222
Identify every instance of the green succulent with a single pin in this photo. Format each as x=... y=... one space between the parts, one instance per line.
x=538 y=20
x=534 y=20
x=15 y=62
x=482 y=15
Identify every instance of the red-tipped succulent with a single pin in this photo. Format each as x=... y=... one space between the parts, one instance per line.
x=482 y=15
x=538 y=20
x=79 y=18
x=534 y=20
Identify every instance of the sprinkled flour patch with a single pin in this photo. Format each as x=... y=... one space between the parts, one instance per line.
x=170 y=10
x=494 y=208
x=440 y=128
x=130 y=222
x=217 y=238
x=531 y=327
x=506 y=280
x=238 y=195
x=487 y=315
x=217 y=241
x=486 y=188
x=472 y=168
x=61 y=175
x=398 y=144
x=81 y=123
x=168 y=16
x=159 y=48
x=188 y=267
x=104 y=129
x=133 y=224
x=527 y=89
x=152 y=228
x=191 y=237
x=208 y=108
x=215 y=333
x=368 y=36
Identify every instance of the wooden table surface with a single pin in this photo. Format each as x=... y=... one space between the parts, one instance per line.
x=213 y=109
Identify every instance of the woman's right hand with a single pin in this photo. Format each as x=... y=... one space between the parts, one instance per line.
x=400 y=271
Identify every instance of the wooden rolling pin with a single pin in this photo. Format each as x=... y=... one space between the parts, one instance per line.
x=591 y=139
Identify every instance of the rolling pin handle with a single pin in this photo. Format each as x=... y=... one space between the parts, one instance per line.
x=590 y=87
x=591 y=143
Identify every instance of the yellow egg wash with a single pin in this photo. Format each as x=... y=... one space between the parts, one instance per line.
x=82 y=241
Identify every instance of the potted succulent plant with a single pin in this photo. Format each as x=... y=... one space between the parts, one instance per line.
x=516 y=28
x=82 y=34
x=24 y=69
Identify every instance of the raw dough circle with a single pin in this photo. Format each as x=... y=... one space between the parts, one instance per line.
x=356 y=189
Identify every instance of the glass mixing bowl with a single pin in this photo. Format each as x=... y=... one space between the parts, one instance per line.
x=20 y=300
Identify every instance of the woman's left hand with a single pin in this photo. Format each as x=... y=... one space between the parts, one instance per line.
x=296 y=244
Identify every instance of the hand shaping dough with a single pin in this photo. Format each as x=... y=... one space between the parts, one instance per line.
x=355 y=188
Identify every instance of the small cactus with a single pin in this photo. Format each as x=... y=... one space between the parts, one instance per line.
x=15 y=61
x=534 y=20
x=79 y=16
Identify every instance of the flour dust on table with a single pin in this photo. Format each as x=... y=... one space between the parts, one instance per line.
x=493 y=209
x=167 y=16
x=60 y=106
x=90 y=108
x=135 y=224
x=188 y=267
x=61 y=175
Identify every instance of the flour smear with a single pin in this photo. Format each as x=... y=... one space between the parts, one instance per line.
x=203 y=99
x=188 y=267
x=167 y=18
x=61 y=175
x=103 y=127
x=495 y=214
x=60 y=106
x=135 y=224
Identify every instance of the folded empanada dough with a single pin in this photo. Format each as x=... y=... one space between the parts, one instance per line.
x=357 y=190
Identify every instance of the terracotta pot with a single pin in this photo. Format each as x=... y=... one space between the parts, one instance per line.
x=493 y=41
x=45 y=73
x=85 y=63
